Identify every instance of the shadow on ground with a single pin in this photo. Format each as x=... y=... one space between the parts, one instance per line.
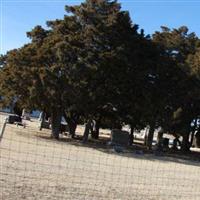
x=136 y=151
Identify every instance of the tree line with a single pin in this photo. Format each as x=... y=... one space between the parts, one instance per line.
x=96 y=64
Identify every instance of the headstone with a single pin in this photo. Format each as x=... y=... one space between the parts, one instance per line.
x=14 y=118
x=25 y=115
x=23 y=112
x=120 y=137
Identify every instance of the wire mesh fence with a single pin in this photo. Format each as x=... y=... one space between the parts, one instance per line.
x=33 y=166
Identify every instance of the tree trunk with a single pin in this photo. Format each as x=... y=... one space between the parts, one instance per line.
x=197 y=139
x=56 y=123
x=150 y=135
x=131 y=136
x=159 y=140
x=42 y=120
x=192 y=138
x=185 y=146
x=72 y=126
x=92 y=128
x=87 y=130
x=145 y=136
x=193 y=132
x=95 y=132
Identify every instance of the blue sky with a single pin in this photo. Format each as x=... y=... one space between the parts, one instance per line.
x=20 y=16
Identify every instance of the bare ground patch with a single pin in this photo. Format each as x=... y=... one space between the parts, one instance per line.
x=36 y=167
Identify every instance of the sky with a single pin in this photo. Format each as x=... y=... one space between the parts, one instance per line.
x=19 y=16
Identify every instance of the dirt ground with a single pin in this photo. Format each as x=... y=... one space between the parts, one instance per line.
x=33 y=166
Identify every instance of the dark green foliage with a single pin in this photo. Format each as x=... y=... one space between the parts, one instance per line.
x=182 y=47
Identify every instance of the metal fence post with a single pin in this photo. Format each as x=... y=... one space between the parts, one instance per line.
x=3 y=128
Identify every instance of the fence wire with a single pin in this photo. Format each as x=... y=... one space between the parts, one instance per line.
x=33 y=166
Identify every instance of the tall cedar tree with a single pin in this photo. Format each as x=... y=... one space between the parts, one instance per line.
x=107 y=58
x=181 y=46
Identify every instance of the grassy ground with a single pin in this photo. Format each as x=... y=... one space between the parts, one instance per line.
x=35 y=167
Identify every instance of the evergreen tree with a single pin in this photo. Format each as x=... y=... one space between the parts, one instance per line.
x=180 y=46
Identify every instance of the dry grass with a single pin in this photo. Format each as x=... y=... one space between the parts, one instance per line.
x=36 y=167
